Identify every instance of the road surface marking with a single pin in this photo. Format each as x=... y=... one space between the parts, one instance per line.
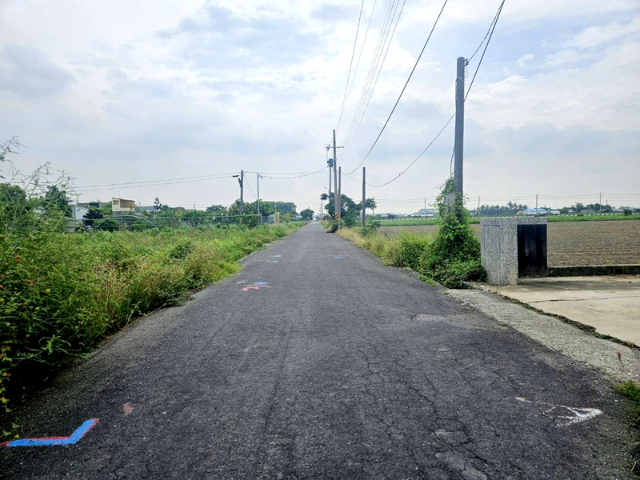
x=576 y=415
x=51 y=441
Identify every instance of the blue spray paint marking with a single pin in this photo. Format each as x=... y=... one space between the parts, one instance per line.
x=51 y=441
x=338 y=257
x=261 y=283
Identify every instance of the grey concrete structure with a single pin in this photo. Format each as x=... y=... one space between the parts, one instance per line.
x=499 y=238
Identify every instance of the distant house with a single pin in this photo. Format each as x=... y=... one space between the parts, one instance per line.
x=120 y=206
x=146 y=208
x=536 y=211
x=425 y=212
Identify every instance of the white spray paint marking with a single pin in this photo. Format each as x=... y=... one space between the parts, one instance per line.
x=578 y=415
x=276 y=256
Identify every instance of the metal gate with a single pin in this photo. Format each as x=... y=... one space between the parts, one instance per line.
x=532 y=250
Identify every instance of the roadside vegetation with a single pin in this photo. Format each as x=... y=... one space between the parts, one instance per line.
x=62 y=293
x=632 y=391
x=451 y=257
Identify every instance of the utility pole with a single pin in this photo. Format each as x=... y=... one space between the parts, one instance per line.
x=258 y=200
x=536 y=203
x=478 y=206
x=459 y=139
x=241 y=192
x=600 y=202
x=425 y=205
x=340 y=193
x=364 y=196
x=336 y=195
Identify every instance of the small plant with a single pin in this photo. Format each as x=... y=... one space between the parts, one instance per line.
x=333 y=226
x=370 y=228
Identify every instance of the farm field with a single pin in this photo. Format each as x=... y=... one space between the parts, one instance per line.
x=575 y=243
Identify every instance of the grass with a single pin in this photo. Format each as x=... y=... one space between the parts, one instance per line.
x=632 y=391
x=61 y=294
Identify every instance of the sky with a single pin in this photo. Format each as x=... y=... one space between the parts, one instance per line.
x=189 y=93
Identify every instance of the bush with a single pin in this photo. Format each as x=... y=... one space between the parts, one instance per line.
x=333 y=227
x=451 y=259
x=411 y=249
x=370 y=228
x=627 y=212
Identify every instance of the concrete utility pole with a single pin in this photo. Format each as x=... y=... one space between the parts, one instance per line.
x=600 y=202
x=478 y=205
x=364 y=196
x=459 y=139
x=336 y=196
x=340 y=191
x=536 y=203
x=241 y=192
x=258 y=199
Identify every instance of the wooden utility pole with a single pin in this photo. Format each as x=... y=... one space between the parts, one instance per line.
x=364 y=196
x=459 y=140
x=336 y=195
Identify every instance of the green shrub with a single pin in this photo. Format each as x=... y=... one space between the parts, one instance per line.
x=411 y=249
x=370 y=228
x=333 y=227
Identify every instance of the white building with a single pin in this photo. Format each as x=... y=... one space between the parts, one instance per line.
x=121 y=205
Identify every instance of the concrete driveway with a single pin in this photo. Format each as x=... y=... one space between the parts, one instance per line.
x=609 y=304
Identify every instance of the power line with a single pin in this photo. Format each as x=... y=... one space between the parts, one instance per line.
x=370 y=94
x=404 y=87
x=492 y=27
x=419 y=156
x=297 y=176
x=366 y=33
x=355 y=41
x=87 y=190
x=215 y=175
x=375 y=67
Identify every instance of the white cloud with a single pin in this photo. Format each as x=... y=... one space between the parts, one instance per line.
x=565 y=56
x=522 y=61
x=597 y=35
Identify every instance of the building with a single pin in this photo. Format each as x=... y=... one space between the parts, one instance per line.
x=121 y=206
x=76 y=218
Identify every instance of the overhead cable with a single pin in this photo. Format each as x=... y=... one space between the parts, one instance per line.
x=492 y=27
x=377 y=63
x=419 y=156
x=404 y=87
x=346 y=87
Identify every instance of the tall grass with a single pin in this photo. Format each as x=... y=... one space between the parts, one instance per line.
x=61 y=294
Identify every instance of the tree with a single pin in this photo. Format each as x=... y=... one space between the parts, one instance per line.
x=157 y=205
x=216 y=210
x=93 y=214
x=324 y=197
x=56 y=200
x=307 y=214
x=371 y=204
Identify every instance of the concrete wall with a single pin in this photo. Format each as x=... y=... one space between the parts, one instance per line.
x=499 y=240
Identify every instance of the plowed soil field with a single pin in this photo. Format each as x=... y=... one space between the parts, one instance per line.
x=576 y=243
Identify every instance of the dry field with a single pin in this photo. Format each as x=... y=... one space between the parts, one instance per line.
x=576 y=243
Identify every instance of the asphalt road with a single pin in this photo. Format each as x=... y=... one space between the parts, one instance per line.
x=339 y=368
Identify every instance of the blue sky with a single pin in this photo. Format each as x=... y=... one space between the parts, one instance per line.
x=114 y=93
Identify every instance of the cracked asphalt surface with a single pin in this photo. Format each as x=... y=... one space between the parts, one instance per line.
x=343 y=368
